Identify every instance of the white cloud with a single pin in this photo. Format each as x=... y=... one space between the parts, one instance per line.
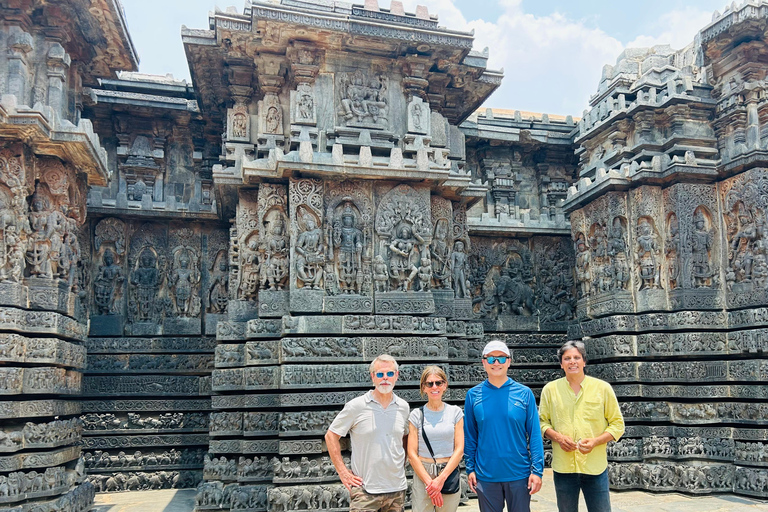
x=676 y=28
x=552 y=63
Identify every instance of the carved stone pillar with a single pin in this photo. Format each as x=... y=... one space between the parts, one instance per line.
x=58 y=65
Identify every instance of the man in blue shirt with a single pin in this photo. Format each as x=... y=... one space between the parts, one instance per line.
x=503 y=451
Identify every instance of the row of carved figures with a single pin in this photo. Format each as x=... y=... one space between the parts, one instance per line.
x=605 y=260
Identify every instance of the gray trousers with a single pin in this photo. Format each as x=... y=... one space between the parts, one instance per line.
x=420 y=500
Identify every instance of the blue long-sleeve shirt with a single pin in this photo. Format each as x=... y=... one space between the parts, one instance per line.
x=502 y=437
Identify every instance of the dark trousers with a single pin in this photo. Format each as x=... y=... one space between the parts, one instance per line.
x=492 y=495
x=595 y=489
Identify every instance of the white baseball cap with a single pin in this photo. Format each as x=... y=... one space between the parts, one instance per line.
x=495 y=346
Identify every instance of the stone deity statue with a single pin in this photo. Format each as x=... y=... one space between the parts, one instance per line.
x=39 y=249
x=647 y=251
x=741 y=248
x=583 y=268
x=441 y=257
x=183 y=280
x=380 y=274
x=701 y=244
x=218 y=297
x=403 y=249
x=309 y=255
x=146 y=277
x=108 y=278
x=460 y=271
x=350 y=242
x=275 y=266
x=617 y=250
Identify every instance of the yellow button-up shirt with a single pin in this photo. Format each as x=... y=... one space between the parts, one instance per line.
x=590 y=413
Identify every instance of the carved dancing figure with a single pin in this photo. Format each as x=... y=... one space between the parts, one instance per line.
x=701 y=244
x=109 y=276
x=460 y=271
x=309 y=255
x=252 y=274
x=647 y=250
x=39 y=250
x=350 y=241
x=403 y=249
x=13 y=270
x=583 y=266
x=146 y=278
x=741 y=247
x=218 y=297
x=239 y=125
x=440 y=251
x=276 y=263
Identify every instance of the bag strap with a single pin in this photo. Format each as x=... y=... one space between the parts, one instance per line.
x=424 y=435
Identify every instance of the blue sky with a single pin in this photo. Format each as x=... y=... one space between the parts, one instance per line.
x=552 y=51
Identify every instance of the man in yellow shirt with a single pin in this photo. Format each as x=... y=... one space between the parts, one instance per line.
x=580 y=415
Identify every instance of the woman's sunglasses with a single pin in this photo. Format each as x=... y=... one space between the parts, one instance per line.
x=434 y=383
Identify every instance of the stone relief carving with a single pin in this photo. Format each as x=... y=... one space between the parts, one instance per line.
x=184 y=281
x=363 y=99
x=246 y=257
x=349 y=222
x=108 y=281
x=440 y=248
x=307 y=235
x=502 y=278
x=647 y=252
x=218 y=291
x=275 y=243
x=404 y=229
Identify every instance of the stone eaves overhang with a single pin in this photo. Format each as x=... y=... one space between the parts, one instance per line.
x=451 y=68
x=93 y=32
x=77 y=145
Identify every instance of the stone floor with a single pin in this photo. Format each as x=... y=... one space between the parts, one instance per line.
x=626 y=501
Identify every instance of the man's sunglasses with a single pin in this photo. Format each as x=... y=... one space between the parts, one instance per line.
x=434 y=383
x=379 y=375
x=494 y=359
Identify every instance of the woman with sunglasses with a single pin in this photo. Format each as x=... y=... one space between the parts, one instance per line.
x=444 y=428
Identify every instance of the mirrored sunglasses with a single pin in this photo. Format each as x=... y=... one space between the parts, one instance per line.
x=380 y=375
x=494 y=359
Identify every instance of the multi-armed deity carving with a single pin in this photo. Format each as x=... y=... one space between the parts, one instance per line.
x=672 y=251
x=363 y=99
x=109 y=241
x=349 y=212
x=275 y=243
x=146 y=279
x=555 y=284
x=404 y=229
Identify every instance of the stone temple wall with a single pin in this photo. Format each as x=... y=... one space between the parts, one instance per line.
x=668 y=226
x=329 y=191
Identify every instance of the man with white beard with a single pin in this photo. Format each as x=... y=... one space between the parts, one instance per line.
x=377 y=423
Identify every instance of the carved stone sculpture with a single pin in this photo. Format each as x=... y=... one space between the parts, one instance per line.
x=275 y=265
x=459 y=271
x=310 y=258
x=146 y=279
x=106 y=284
x=701 y=245
x=647 y=255
x=183 y=282
x=349 y=239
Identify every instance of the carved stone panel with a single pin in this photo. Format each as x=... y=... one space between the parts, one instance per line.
x=307 y=245
x=348 y=273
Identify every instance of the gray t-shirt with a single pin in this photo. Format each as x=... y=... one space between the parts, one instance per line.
x=376 y=434
x=440 y=427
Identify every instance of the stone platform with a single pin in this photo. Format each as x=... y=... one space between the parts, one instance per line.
x=623 y=501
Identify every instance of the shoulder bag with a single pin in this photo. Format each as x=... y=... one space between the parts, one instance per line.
x=453 y=482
